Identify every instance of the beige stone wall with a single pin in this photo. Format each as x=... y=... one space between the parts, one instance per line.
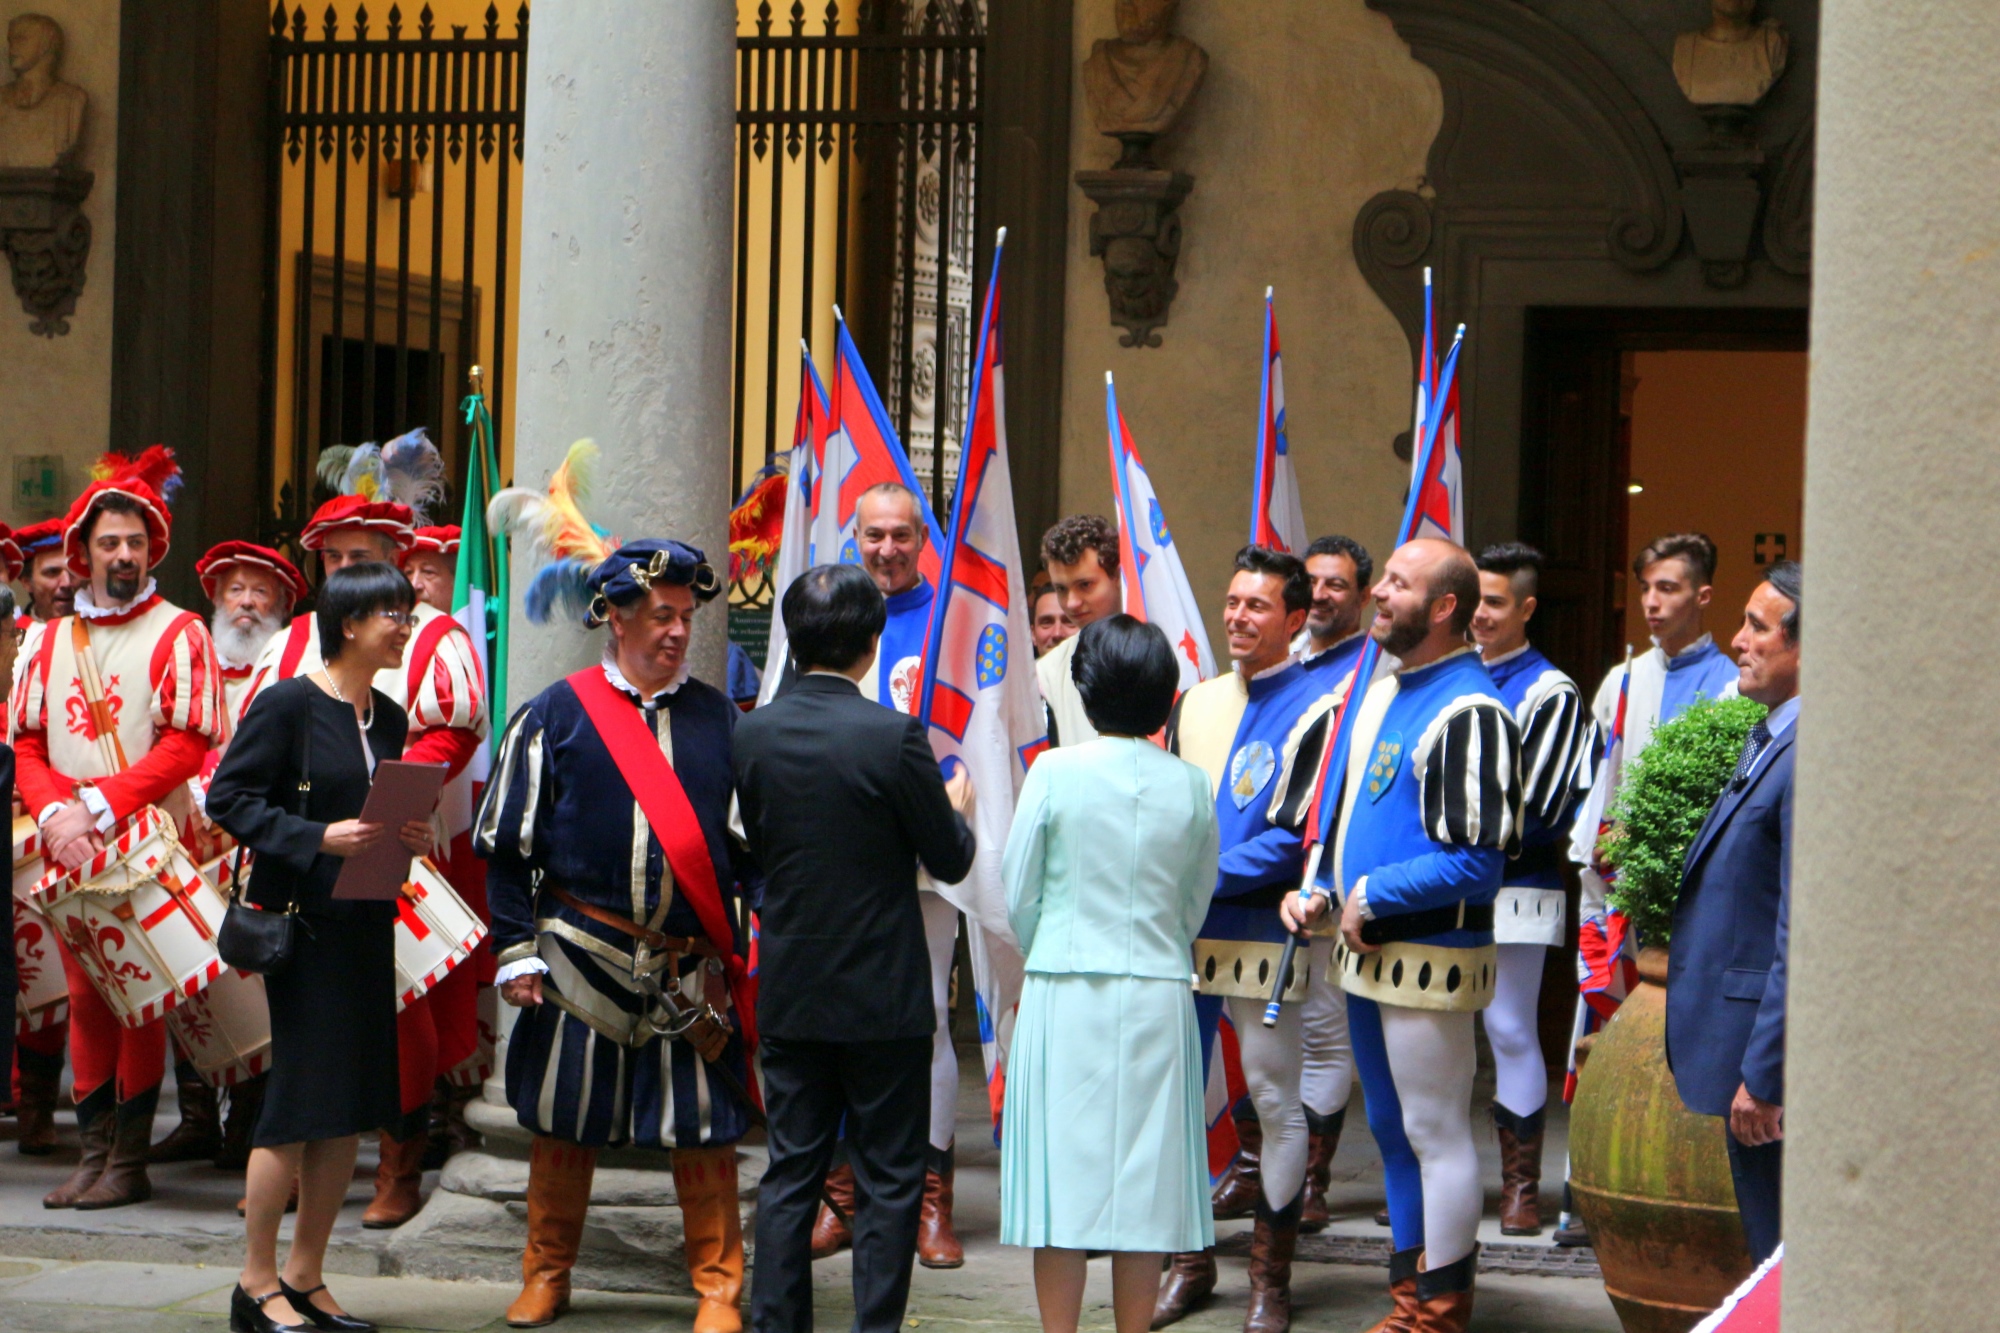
x=1310 y=108
x=1891 y=1081
x=55 y=393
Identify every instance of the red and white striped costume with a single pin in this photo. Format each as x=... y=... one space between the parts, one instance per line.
x=163 y=687
x=439 y=685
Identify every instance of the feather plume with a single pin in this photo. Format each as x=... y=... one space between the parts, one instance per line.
x=155 y=467
x=413 y=473
x=332 y=469
x=560 y=538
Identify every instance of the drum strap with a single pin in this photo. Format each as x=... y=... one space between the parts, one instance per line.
x=635 y=751
x=101 y=717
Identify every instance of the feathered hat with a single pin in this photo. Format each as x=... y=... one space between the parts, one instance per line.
x=152 y=480
x=10 y=553
x=385 y=488
x=441 y=540
x=212 y=566
x=582 y=568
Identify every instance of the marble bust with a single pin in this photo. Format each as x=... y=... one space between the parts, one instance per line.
x=41 y=117
x=1734 y=60
x=1138 y=82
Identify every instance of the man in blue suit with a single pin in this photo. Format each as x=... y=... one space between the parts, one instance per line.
x=1726 y=979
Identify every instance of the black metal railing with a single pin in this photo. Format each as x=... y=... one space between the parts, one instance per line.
x=367 y=334
x=861 y=122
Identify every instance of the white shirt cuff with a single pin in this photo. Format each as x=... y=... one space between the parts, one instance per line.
x=1360 y=899
x=47 y=813
x=93 y=801
x=520 y=967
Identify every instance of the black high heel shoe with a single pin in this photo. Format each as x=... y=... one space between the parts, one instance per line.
x=335 y=1323
x=246 y=1313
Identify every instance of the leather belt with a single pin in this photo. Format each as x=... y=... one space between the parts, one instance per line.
x=1420 y=925
x=657 y=941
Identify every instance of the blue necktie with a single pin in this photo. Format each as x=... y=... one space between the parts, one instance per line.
x=1760 y=736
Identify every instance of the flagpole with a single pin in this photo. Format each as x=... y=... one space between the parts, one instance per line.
x=1364 y=670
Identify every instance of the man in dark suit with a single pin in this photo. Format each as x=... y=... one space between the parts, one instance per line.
x=1726 y=978
x=841 y=800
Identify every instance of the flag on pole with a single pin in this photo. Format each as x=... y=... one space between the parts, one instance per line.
x=1155 y=585
x=1754 y=1306
x=1439 y=477
x=980 y=700
x=479 y=586
x=1277 y=516
x=809 y=431
x=1607 y=966
x=861 y=451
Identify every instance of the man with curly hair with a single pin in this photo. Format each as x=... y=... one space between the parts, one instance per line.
x=1081 y=555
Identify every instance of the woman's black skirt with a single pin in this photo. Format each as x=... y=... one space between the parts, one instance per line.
x=333 y=1033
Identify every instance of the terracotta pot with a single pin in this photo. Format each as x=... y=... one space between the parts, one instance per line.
x=1650 y=1177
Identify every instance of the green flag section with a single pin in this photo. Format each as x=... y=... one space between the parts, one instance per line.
x=479 y=593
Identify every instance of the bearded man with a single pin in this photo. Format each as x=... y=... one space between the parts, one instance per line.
x=253 y=590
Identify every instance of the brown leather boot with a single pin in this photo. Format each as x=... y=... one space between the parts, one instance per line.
x=712 y=1225
x=559 y=1176
x=41 y=1085
x=199 y=1134
x=1520 y=1170
x=1320 y=1148
x=1190 y=1282
x=398 y=1183
x=1402 y=1317
x=937 y=1243
x=1272 y=1244
x=1444 y=1296
x=246 y=1103
x=1236 y=1194
x=94 y=1116
x=124 y=1180
x=831 y=1232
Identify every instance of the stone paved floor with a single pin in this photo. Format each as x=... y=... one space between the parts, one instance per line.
x=167 y=1266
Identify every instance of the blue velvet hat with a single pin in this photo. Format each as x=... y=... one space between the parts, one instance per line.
x=630 y=572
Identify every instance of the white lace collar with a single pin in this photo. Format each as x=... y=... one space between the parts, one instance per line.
x=618 y=681
x=88 y=608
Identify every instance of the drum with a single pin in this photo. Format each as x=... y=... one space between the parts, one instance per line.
x=43 y=998
x=435 y=932
x=139 y=917
x=27 y=856
x=226 y=1030
x=476 y=1068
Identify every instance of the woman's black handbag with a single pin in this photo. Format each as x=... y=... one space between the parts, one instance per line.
x=253 y=939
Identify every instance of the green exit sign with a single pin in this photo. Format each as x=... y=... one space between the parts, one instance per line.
x=38 y=485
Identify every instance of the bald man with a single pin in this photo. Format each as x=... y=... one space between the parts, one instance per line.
x=1430 y=810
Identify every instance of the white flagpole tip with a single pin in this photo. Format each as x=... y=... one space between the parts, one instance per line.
x=1000 y=238
x=1427 y=275
x=836 y=313
x=806 y=347
x=1460 y=333
x=1268 y=291
x=1107 y=379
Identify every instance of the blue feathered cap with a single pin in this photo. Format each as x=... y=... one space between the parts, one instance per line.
x=633 y=569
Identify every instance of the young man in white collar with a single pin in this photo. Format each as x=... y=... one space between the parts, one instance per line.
x=1556 y=740
x=1081 y=554
x=1256 y=733
x=157 y=684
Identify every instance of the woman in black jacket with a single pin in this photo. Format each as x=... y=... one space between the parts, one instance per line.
x=333 y=1007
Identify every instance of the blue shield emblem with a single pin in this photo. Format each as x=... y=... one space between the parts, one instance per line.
x=1382 y=768
x=850 y=554
x=1158 y=522
x=1250 y=770
x=992 y=655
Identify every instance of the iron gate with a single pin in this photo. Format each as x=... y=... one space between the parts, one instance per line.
x=368 y=334
x=856 y=157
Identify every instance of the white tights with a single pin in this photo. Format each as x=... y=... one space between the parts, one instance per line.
x=1271 y=1062
x=941 y=934
x=1513 y=1029
x=1432 y=1058
x=1327 y=1078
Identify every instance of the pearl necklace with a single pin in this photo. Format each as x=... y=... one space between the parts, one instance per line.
x=367 y=719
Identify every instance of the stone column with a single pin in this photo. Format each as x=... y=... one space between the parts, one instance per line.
x=626 y=210
x=1891 y=1170
x=624 y=325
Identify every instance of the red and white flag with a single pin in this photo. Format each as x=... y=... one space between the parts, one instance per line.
x=1277 y=515
x=861 y=451
x=979 y=697
x=1752 y=1307
x=809 y=432
x=1155 y=585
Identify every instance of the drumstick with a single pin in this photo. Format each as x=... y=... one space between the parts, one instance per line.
x=1292 y=940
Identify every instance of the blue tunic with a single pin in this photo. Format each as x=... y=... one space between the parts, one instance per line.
x=1337 y=661
x=1702 y=671
x=581 y=1065
x=1556 y=740
x=899 y=657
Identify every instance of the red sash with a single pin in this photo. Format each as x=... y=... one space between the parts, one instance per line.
x=657 y=788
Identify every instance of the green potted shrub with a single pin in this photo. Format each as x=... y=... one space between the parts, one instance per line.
x=1651 y=1177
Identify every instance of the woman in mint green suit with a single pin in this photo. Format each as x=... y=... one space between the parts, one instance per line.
x=1109 y=869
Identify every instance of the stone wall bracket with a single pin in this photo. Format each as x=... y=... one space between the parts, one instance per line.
x=1137 y=232
x=1720 y=195
x=47 y=239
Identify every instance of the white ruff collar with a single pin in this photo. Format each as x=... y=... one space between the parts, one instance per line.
x=618 y=681
x=90 y=610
